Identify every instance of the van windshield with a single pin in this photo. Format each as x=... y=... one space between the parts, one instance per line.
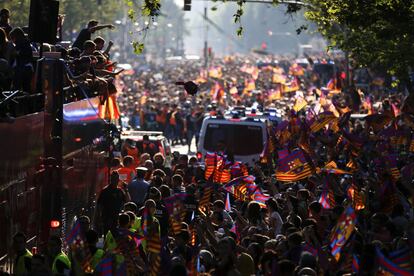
x=238 y=139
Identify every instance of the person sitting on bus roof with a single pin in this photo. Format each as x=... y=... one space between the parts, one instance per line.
x=61 y=264
x=85 y=34
x=23 y=255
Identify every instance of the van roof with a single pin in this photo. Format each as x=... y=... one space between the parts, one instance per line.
x=138 y=135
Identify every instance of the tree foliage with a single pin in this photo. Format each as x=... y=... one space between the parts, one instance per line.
x=374 y=32
x=77 y=12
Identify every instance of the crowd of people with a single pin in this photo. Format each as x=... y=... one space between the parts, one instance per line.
x=331 y=195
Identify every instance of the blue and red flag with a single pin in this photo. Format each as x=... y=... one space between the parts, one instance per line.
x=390 y=266
x=75 y=235
x=355 y=264
x=105 y=267
x=342 y=231
x=293 y=167
x=227 y=205
x=402 y=257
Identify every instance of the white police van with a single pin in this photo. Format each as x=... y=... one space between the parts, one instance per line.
x=244 y=137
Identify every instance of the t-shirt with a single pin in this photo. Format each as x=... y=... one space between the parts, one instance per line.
x=111 y=200
x=275 y=216
x=162 y=215
x=83 y=36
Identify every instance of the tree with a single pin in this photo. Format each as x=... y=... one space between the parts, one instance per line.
x=77 y=12
x=374 y=32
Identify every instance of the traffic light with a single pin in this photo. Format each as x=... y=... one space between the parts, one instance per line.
x=187 y=5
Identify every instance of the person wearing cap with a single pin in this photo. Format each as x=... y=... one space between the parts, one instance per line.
x=138 y=188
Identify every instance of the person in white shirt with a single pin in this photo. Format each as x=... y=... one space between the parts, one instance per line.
x=275 y=220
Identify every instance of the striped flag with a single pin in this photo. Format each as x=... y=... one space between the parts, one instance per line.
x=240 y=192
x=342 y=231
x=210 y=161
x=402 y=257
x=291 y=86
x=205 y=199
x=109 y=109
x=310 y=248
x=227 y=204
x=356 y=197
x=388 y=196
x=175 y=225
x=352 y=165
x=75 y=234
x=293 y=167
x=76 y=241
x=355 y=264
x=217 y=169
x=390 y=266
x=145 y=221
x=391 y=161
x=299 y=104
x=327 y=198
x=324 y=119
x=105 y=267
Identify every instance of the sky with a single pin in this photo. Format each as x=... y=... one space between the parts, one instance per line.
x=261 y=22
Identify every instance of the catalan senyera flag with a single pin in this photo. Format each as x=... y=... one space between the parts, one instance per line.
x=233 y=90
x=291 y=86
x=274 y=94
x=215 y=72
x=323 y=119
x=212 y=161
x=342 y=231
x=218 y=169
x=205 y=199
x=391 y=161
x=109 y=109
x=296 y=70
x=279 y=78
x=299 y=104
x=239 y=186
x=250 y=85
x=352 y=165
x=357 y=198
x=216 y=92
x=293 y=167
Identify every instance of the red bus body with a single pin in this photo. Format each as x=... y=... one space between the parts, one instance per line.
x=34 y=192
